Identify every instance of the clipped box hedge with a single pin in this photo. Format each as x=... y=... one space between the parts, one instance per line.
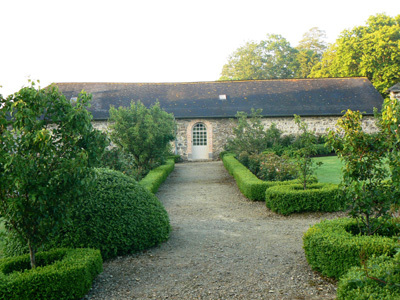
x=332 y=249
x=291 y=198
x=251 y=187
x=61 y=274
x=356 y=285
x=157 y=176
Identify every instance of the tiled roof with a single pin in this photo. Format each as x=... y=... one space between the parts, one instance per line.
x=395 y=88
x=305 y=97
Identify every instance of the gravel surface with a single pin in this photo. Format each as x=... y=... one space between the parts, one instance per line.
x=222 y=246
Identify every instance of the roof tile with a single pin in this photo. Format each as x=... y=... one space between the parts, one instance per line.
x=306 y=97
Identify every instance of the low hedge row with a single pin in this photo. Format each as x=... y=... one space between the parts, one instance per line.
x=356 y=285
x=293 y=198
x=251 y=187
x=332 y=249
x=61 y=274
x=248 y=183
x=157 y=176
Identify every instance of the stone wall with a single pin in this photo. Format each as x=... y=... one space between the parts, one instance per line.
x=101 y=125
x=219 y=130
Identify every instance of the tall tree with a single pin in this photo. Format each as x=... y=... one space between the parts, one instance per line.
x=313 y=40
x=47 y=146
x=279 y=57
x=310 y=48
x=371 y=50
x=245 y=63
x=269 y=59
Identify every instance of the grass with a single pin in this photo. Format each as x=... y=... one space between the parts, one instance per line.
x=330 y=171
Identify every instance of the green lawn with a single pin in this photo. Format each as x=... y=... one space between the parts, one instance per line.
x=330 y=171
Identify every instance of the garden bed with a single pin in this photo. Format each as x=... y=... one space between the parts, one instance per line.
x=332 y=249
x=287 y=199
x=61 y=274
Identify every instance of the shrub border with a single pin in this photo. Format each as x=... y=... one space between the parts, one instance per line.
x=293 y=198
x=70 y=277
x=157 y=176
x=331 y=250
x=251 y=187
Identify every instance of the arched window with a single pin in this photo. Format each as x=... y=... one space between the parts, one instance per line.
x=199 y=135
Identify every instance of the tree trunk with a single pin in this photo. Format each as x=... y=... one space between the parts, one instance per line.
x=32 y=254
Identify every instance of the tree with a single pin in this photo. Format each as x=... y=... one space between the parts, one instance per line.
x=390 y=127
x=313 y=40
x=244 y=64
x=145 y=133
x=371 y=50
x=310 y=50
x=279 y=57
x=249 y=136
x=302 y=156
x=364 y=173
x=47 y=146
x=269 y=59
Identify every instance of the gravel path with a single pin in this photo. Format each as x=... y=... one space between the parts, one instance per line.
x=222 y=246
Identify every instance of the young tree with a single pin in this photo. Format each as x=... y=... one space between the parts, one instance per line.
x=303 y=160
x=389 y=124
x=145 y=133
x=364 y=173
x=47 y=146
x=250 y=136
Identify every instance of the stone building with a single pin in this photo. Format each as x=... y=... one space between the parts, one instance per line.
x=394 y=91
x=205 y=111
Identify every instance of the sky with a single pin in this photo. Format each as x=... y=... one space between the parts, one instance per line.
x=154 y=40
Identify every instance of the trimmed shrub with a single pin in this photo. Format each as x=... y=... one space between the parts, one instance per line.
x=223 y=153
x=61 y=274
x=356 y=285
x=118 y=216
x=293 y=198
x=157 y=176
x=176 y=158
x=248 y=183
x=332 y=249
x=250 y=186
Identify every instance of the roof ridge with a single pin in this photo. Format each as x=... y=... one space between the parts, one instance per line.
x=209 y=82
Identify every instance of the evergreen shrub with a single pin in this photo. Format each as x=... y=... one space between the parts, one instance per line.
x=248 y=183
x=386 y=285
x=223 y=153
x=332 y=249
x=157 y=176
x=61 y=274
x=118 y=216
x=293 y=198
